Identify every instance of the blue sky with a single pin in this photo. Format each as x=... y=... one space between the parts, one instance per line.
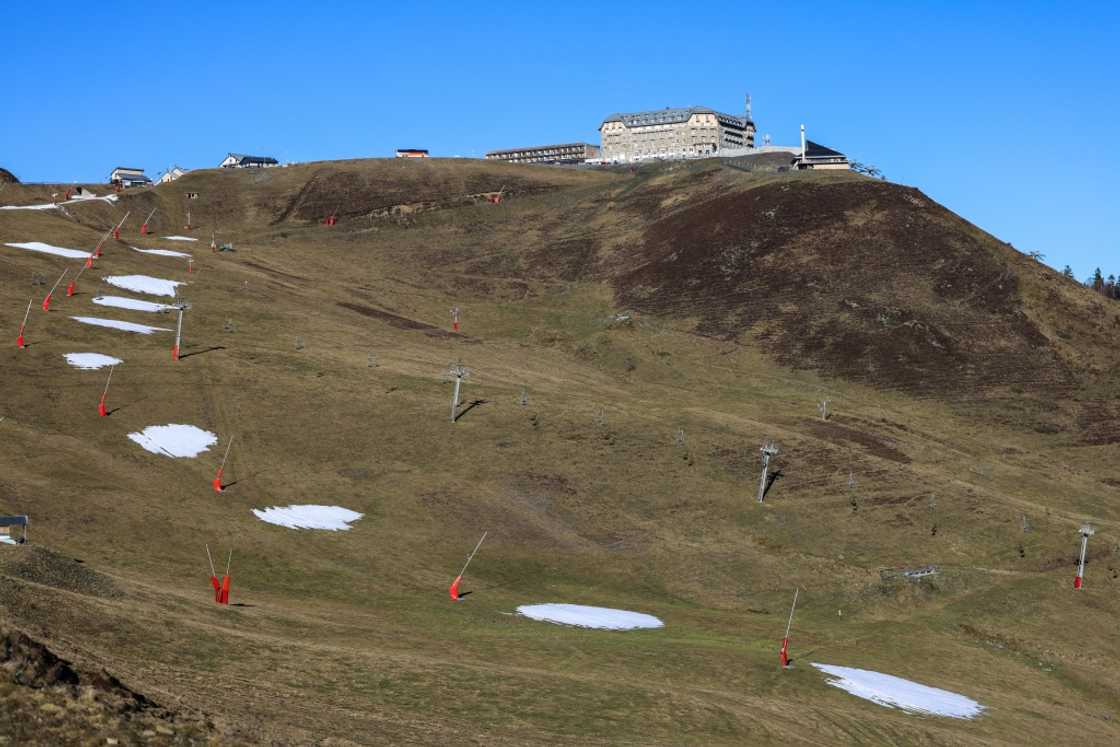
x=1005 y=112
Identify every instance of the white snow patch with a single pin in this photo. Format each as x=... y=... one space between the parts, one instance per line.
x=895 y=692
x=178 y=238
x=5 y=539
x=142 y=329
x=144 y=284
x=86 y=198
x=582 y=616
x=332 y=518
x=58 y=251
x=48 y=206
x=160 y=252
x=121 y=302
x=91 y=361
x=174 y=440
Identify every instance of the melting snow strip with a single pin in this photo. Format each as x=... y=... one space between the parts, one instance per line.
x=58 y=251
x=174 y=440
x=178 y=238
x=144 y=284
x=91 y=361
x=48 y=206
x=135 y=304
x=142 y=329
x=331 y=518
x=600 y=618
x=895 y=692
x=160 y=252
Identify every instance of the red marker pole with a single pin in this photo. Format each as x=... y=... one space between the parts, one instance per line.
x=23 y=325
x=115 y=231
x=144 y=225
x=783 y=655
x=105 y=393
x=190 y=265
x=226 y=581
x=214 y=578
x=455 y=319
x=178 y=336
x=47 y=300
x=216 y=483
x=97 y=249
x=454 y=590
x=72 y=286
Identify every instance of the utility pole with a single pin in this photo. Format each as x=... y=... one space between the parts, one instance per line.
x=178 y=333
x=459 y=372
x=769 y=450
x=822 y=408
x=1086 y=532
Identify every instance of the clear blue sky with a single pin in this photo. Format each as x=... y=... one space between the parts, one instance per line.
x=1006 y=112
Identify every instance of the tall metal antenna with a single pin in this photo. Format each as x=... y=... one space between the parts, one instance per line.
x=769 y=450
x=749 y=119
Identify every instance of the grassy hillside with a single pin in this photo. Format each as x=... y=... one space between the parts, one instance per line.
x=664 y=323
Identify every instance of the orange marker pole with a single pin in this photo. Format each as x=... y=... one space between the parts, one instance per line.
x=105 y=393
x=783 y=655
x=216 y=483
x=47 y=300
x=454 y=590
x=23 y=325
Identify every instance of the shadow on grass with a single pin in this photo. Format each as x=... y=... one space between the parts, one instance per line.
x=201 y=352
x=471 y=406
x=773 y=478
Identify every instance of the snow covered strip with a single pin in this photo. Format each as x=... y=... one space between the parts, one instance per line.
x=91 y=361
x=331 y=518
x=133 y=304
x=177 y=238
x=58 y=251
x=144 y=284
x=895 y=692
x=140 y=329
x=174 y=440
x=160 y=252
x=601 y=618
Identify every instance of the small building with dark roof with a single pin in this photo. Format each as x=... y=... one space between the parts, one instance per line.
x=242 y=161
x=412 y=153
x=126 y=176
x=818 y=157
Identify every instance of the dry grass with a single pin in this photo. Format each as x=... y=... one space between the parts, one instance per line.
x=350 y=638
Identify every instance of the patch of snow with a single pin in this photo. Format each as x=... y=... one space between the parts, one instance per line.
x=58 y=251
x=178 y=238
x=142 y=329
x=48 y=206
x=86 y=198
x=160 y=252
x=895 y=692
x=5 y=539
x=174 y=440
x=120 y=302
x=331 y=518
x=601 y=618
x=144 y=284
x=91 y=361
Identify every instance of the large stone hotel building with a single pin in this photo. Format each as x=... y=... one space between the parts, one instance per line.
x=673 y=133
